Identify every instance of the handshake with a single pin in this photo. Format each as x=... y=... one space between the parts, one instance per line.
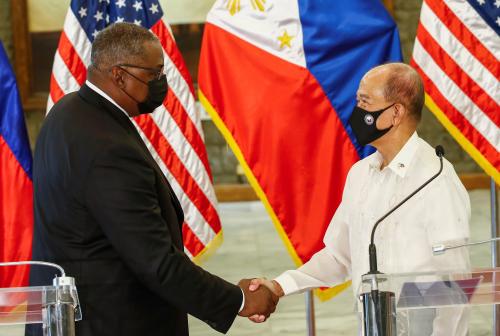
x=261 y=298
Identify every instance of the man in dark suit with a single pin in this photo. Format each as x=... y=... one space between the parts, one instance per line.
x=106 y=213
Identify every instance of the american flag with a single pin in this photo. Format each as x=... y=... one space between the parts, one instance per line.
x=457 y=52
x=173 y=133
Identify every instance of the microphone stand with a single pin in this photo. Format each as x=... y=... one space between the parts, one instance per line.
x=379 y=306
x=441 y=248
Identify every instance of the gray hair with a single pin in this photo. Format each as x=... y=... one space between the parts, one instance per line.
x=119 y=43
x=404 y=86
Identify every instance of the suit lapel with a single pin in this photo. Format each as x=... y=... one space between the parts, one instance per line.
x=173 y=197
x=96 y=99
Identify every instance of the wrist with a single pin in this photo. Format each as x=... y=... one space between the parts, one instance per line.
x=277 y=289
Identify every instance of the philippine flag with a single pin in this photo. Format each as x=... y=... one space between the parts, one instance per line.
x=16 y=187
x=279 y=79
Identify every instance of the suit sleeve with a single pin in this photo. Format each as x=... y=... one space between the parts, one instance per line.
x=121 y=194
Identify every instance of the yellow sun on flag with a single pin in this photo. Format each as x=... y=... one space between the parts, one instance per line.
x=234 y=6
x=285 y=40
x=258 y=4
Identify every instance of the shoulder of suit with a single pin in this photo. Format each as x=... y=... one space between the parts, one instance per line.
x=72 y=109
x=75 y=110
x=61 y=104
x=77 y=121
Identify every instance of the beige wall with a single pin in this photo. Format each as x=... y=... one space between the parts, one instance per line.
x=48 y=15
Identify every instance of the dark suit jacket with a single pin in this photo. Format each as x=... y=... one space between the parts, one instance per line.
x=106 y=213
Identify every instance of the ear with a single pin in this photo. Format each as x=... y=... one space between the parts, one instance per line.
x=117 y=75
x=398 y=114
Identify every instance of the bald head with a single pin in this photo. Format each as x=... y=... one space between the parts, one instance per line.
x=402 y=84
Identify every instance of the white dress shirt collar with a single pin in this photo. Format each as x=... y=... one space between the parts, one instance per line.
x=401 y=161
x=103 y=94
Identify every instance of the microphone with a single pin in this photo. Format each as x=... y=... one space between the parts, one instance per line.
x=372 y=250
x=441 y=248
x=439 y=151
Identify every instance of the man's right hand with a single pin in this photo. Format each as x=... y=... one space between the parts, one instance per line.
x=273 y=286
x=259 y=302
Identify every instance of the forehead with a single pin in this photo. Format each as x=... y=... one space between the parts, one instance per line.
x=372 y=84
x=153 y=54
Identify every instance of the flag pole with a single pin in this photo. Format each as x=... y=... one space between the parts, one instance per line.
x=494 y=248
x=310 y=318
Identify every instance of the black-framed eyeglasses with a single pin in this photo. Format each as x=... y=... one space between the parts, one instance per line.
x=154 y=71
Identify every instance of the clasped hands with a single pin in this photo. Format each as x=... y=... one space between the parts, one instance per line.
x=261 y=298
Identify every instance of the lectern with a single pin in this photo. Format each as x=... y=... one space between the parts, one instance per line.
x=396 y=304
x=56 y=307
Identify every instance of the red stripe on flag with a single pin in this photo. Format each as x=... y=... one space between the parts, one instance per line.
x=16 y=217
x=179 y=114
x=301 y=170
x=470 y=132
x=72 y=59
x=191 y=241
x=168 y=43
x=179 y=171
x=56 y=92
x=465 y=36
x=455 y=72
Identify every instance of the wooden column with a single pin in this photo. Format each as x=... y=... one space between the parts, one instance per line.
x=389 y=4
x=22 y=47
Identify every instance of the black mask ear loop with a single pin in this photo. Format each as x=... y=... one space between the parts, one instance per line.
x=155 y=96
x=135 y=77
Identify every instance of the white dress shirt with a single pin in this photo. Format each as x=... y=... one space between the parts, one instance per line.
x=438 y=213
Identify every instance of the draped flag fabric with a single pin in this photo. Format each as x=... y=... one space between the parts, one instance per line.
x=279 y=79
x=16 y=188
x=173 y=133
x=457 y=53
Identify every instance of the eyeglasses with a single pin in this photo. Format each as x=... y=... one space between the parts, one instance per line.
x=154 y=71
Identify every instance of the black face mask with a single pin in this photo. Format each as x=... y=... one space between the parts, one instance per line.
x=363 y=124
x=157 y=91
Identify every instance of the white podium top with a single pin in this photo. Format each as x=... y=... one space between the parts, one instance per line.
x=25 y=305
x=438 y=289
